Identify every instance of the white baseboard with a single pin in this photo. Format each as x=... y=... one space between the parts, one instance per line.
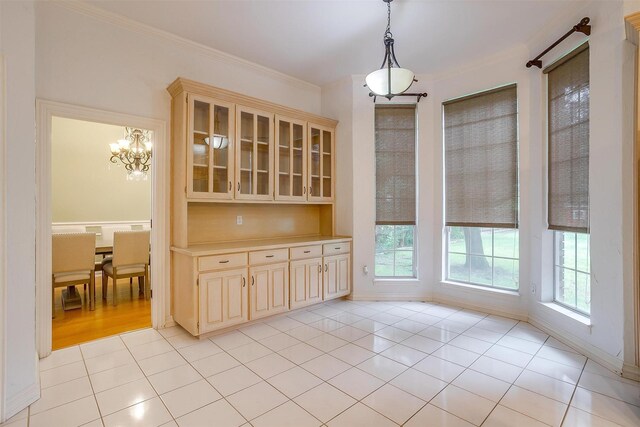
x=592 y=352
x=25 y=398
x=481 y=308
x=388 y=297
x=631 y=372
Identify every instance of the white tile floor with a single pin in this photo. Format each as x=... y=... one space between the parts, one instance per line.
x=338 y=364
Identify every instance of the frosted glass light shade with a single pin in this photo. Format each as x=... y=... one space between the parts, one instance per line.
x=219 y=141
x=401 y=80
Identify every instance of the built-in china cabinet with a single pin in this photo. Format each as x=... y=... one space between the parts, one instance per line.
x=252 y=216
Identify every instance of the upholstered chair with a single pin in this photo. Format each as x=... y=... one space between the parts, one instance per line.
x=130 y=259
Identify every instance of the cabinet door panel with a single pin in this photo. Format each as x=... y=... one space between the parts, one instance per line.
x=330 y=278
x=344 y=275
x=279 y=288
x=236 y=300
x=254 y=154
x=223 y=299
x=290 y=159
x=314 y=290
x=210 y=148
x=321 y=163
x=298 y=284
x=213 y=288
x=259 y=304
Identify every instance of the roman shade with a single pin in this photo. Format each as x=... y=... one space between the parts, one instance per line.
x=481 y=159
x=395 y=133
x=568 y=184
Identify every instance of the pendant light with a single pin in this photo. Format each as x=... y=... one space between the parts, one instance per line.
x=391 y=79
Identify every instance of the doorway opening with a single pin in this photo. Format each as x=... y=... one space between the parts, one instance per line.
x=69 y=139
x=93 y=192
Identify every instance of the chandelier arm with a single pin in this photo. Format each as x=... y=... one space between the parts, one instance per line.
x=393 y=55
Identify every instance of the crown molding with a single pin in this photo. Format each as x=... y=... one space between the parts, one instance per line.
x=632 y=27
x=102 y=15
x=181 y=85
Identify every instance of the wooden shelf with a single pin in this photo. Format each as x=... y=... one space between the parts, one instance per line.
x=199 y=165
x=199 y=132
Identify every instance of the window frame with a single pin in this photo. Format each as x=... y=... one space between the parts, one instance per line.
x=414 y=251
x=576 y=270
x=414 y=268
x=447 y=278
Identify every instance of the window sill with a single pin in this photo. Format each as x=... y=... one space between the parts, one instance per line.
x=480 y=288
x=581 y=318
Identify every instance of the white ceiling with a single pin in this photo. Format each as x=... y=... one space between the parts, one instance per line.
x=321 y=41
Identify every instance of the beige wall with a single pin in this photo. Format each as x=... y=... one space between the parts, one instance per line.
x=86 y=186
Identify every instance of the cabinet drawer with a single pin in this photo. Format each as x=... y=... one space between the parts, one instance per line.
x=306 y=252
x=336 y=248
x=267 y=257
x=219 y=262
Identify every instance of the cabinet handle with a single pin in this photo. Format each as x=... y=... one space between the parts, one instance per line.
x=269 y=256
x=307 y=252
x=223 y=262
x=310 y=189
x=338 y=248
x=326 y=267
x=252 y=281
x=319 y=268
x=230 y=186
x=238 y=187
x=244 y=281
x=304 y=190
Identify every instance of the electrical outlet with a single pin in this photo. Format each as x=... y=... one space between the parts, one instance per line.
x=239 y=220
x=365 y=270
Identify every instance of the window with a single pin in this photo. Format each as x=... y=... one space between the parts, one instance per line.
x=483 y=256
x=395 y=133
x=572 y=268
x=568 y=180
x=481 y=188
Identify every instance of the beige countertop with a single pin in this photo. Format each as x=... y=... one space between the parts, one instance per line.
x=256 y=245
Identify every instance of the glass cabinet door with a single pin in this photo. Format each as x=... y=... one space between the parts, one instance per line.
x=254 y=155
x=321 y=147
x=290 y=164
x=210 y=153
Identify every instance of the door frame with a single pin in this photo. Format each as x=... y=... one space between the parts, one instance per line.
x=160 y=303
x=3 y=248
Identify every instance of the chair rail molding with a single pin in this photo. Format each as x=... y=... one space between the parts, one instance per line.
x=160 y=304
x=631 y=365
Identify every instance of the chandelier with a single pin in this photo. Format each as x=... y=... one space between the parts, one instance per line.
x=134 y=151
x=391 y=79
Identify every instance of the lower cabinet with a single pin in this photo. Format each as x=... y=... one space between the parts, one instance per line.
x=337 y=271
x=269 y=290
x=305 y=282
x=223 y=299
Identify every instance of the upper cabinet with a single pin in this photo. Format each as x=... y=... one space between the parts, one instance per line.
x=321 y=169
x=210 y=148
x=254 y=154
x=241 y=149
x=291 y=159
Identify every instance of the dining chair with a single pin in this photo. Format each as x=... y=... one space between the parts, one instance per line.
x=72 y=263
x=130 y=259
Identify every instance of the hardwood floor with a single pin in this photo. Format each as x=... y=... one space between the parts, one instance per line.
x=81 y=325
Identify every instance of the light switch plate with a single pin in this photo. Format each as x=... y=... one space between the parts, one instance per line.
x=239 y=220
